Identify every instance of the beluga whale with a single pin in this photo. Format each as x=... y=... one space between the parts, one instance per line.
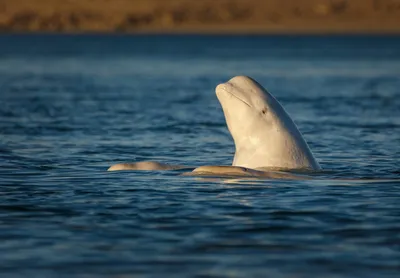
x=265 y=136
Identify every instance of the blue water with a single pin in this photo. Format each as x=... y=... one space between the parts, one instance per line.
x=71 y=106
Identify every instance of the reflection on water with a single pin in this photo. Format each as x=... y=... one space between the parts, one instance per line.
x=71 y=106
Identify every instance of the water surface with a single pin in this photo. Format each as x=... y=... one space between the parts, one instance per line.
x=71 y=106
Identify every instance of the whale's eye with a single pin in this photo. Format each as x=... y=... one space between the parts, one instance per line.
x=264 y=111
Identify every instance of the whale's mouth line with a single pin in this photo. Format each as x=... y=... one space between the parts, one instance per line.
x=238 y=98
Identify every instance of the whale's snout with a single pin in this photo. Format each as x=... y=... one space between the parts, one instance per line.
x=220 y=88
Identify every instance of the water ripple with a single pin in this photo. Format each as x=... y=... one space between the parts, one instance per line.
x=66 y=116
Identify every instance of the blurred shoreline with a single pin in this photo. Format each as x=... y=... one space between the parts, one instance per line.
x=203 y=17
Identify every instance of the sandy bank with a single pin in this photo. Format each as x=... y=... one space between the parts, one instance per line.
x=206 y=16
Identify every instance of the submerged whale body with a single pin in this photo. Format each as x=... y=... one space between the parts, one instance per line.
x=265 y=136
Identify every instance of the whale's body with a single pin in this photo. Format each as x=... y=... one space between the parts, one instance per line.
x=265 y=136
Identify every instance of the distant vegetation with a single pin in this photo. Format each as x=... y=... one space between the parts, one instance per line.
x=200 y=16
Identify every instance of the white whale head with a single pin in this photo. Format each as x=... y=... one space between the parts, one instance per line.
x=263 y=132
